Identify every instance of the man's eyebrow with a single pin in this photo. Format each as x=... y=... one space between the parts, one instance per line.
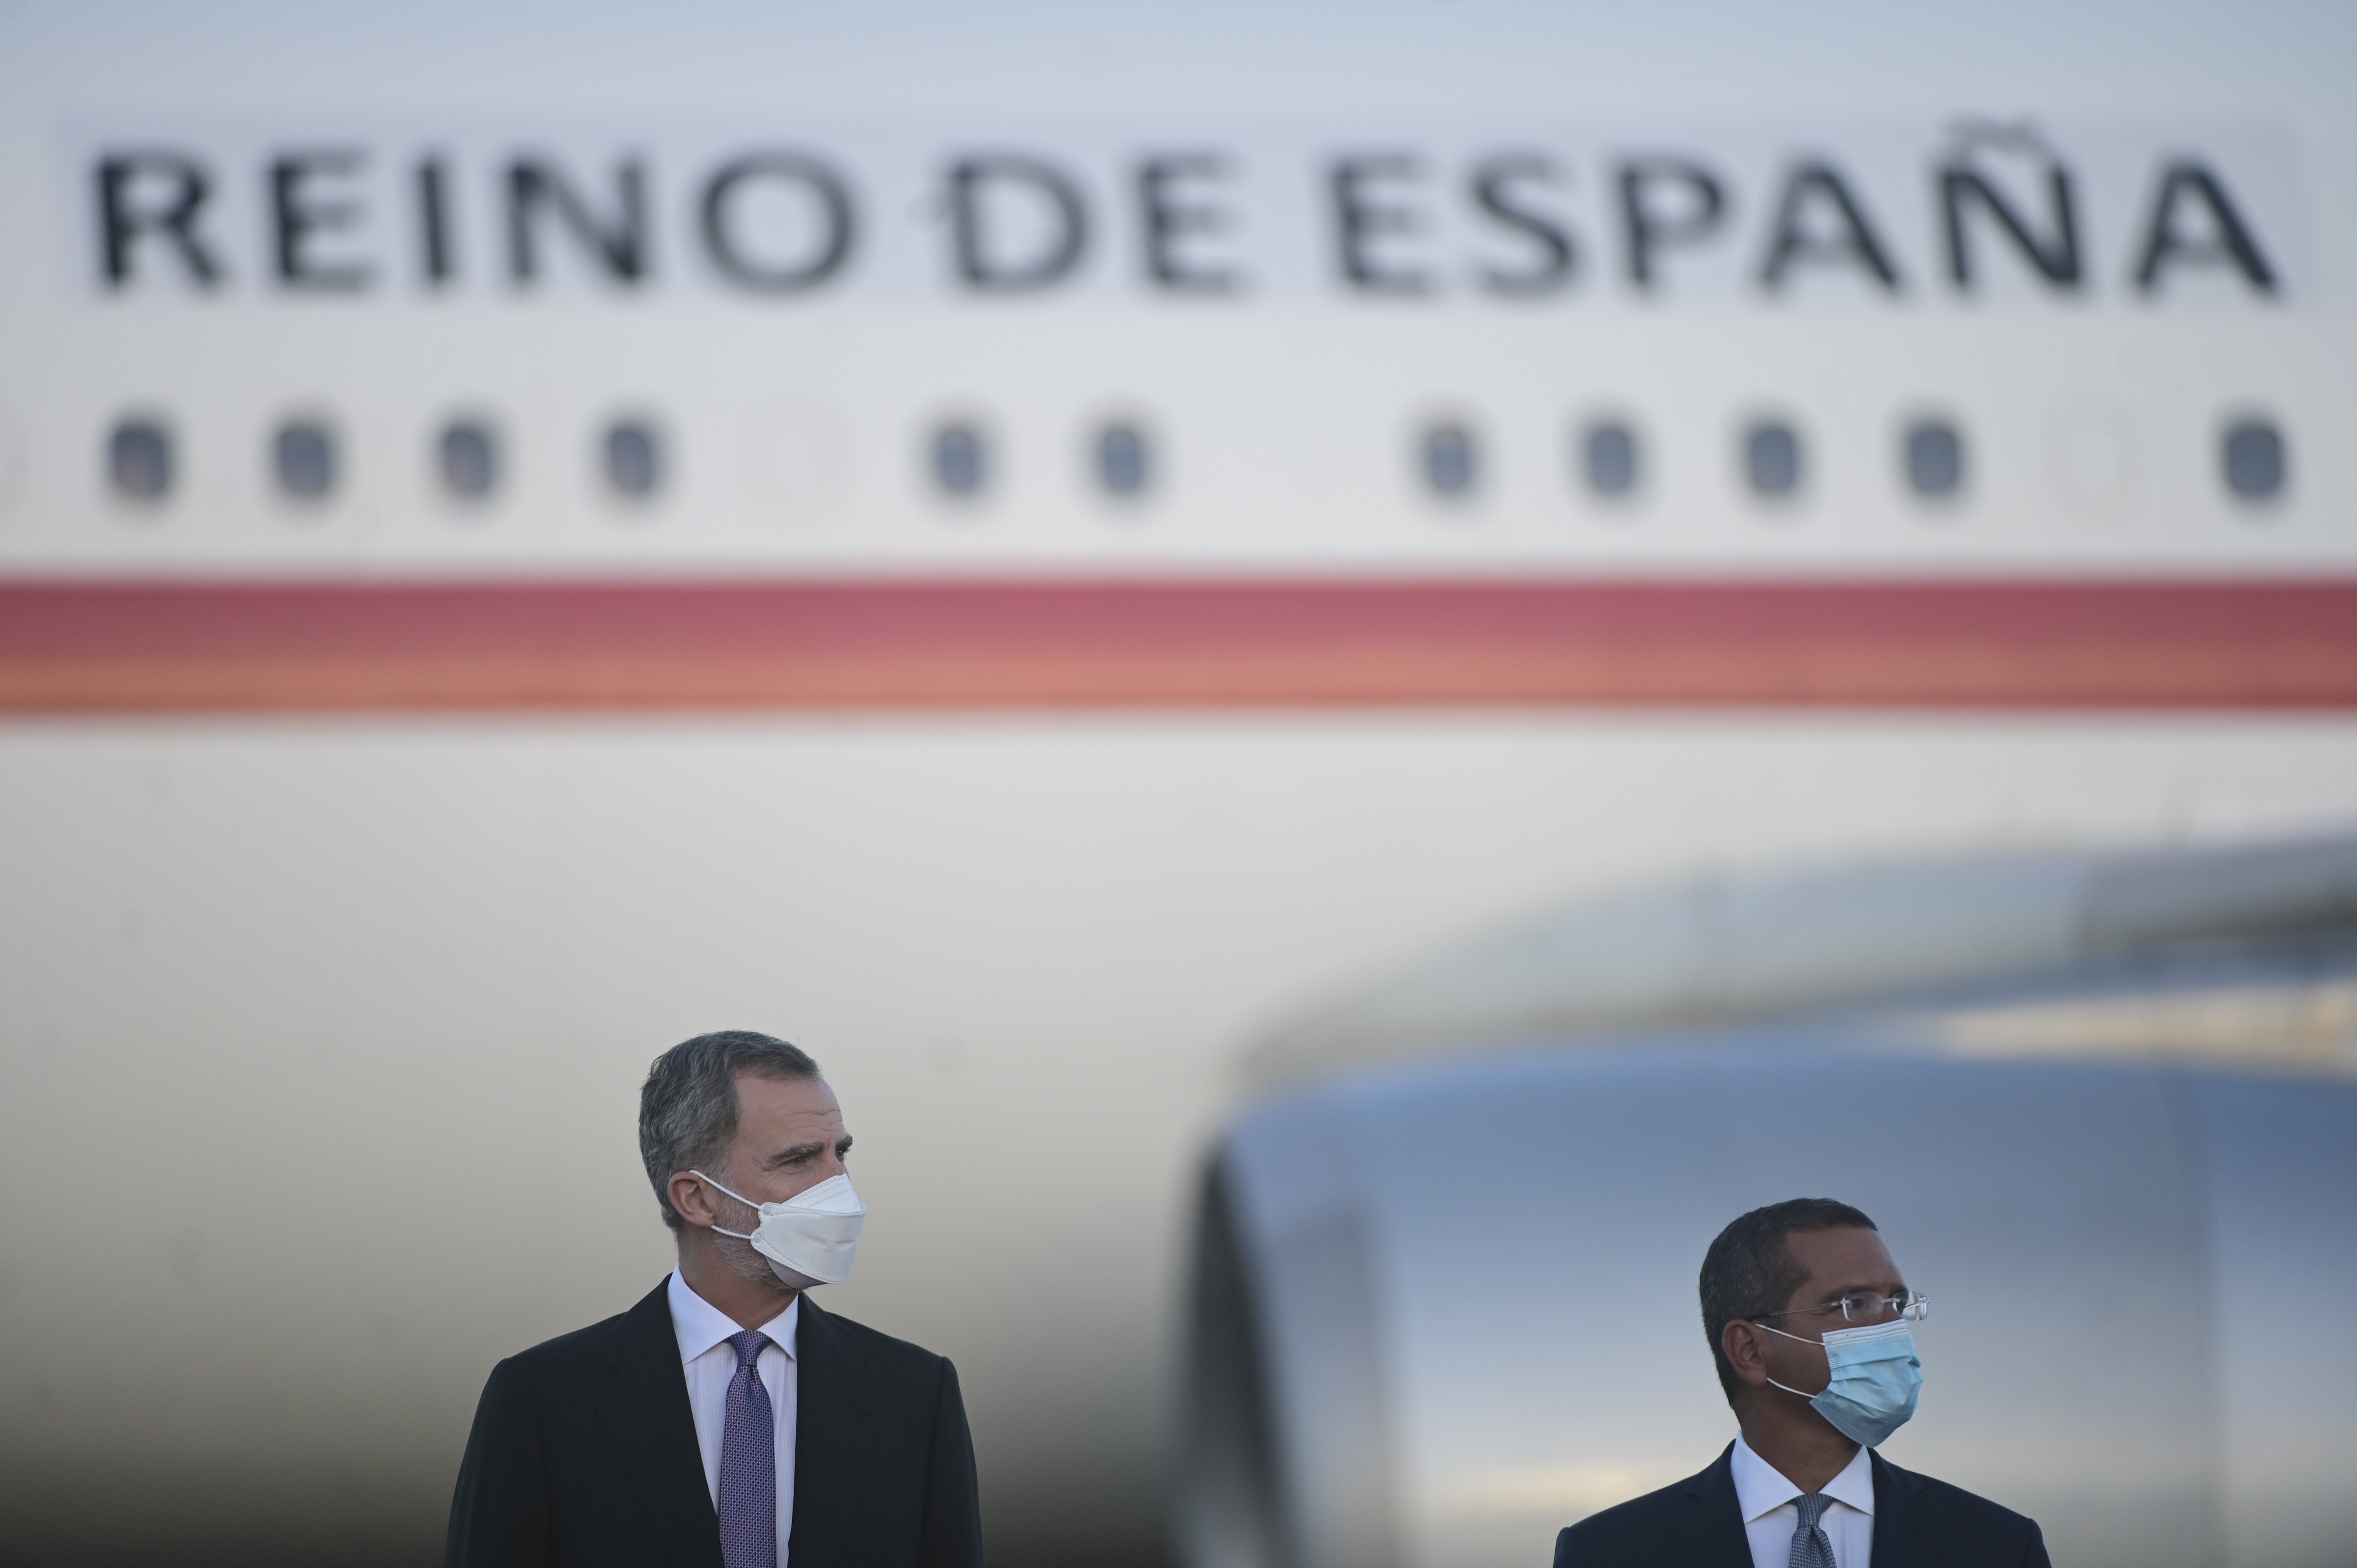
x=796 y=1152
x=1884 y=1288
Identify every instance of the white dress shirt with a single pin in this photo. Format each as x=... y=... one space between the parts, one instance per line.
x=704 y=1332
x=1770 y=1514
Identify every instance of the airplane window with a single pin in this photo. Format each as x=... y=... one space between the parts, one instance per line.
x=633 y=460
x=304 y=455
x=1610 y=457
x=1123 y=459
x=1771 y=458
x=469 y=455
x=960 y=459
x=1935 y=458
x=139 y=461
x=1450 y=459
x=2252 y=454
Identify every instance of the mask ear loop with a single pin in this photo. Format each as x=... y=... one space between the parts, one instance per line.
x=1757 y=1323
x=1819 y=1343
x=739 y=1235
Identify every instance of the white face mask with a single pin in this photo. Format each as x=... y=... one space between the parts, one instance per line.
x=812 y=1237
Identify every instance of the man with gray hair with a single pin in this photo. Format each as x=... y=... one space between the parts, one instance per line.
x=726 y=1421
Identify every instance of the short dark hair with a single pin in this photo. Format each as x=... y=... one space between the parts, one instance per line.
x=1750 y=1273
x=687 y=1110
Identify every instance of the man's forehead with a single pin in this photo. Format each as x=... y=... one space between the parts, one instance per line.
x=1843 y=1256
x=772 y=1101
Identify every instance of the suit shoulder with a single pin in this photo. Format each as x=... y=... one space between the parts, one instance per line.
x=882 y=1348
x=567 y=1351
x=1638 y=1517
x=1960 y=1506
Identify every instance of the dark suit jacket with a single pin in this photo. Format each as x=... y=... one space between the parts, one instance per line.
x=583 y=1454
x=1918 y=1523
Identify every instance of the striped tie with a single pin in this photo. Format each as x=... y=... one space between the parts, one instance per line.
x=1811 y=1548
x=748 y=1463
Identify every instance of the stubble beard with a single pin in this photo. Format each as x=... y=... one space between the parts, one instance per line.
x=741 y=1259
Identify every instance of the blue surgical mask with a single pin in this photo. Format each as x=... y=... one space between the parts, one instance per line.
x=1875 y=1374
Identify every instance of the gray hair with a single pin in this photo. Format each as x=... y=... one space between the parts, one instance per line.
x=687 y=1111
x=1750 y=1273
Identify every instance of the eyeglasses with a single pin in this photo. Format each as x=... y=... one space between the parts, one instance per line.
x=1864 y=1306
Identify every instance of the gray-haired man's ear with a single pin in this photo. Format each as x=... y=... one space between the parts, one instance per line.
x=694 y=1199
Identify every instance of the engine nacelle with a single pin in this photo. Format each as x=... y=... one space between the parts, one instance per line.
x=1442 y=1311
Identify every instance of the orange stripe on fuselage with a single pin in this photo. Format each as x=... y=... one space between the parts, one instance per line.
x=86 y=647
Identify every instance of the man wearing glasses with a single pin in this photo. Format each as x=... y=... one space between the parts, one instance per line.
x=1810 y=1323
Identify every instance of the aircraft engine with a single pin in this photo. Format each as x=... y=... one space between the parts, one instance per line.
x=1442 y=1311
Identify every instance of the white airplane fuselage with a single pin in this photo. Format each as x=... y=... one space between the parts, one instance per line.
x=1011 y=550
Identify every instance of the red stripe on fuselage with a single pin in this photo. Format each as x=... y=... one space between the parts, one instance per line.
x=114 y=646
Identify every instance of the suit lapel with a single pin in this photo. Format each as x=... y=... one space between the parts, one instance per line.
x=644 y=1408
x=1898 y=1533
x=1709 y=1521
x=834 y=1428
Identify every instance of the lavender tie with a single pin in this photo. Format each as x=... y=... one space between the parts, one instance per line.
x=748 y=1463
x=1810 y=1548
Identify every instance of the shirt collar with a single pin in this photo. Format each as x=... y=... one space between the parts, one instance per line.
x=1760 y=1487
x=699 y=1325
